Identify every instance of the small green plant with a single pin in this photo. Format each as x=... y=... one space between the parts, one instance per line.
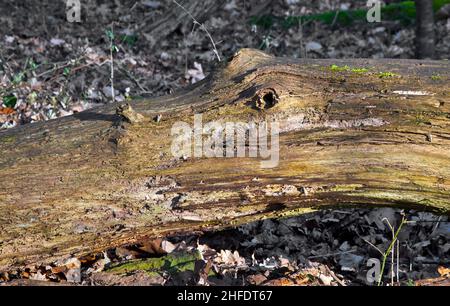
x=112 y=49
x=391 y=246
x=30 y=66
x=390 y=249
x=18 y=78
x=410 y=283
x=9 y=101
x=32 y=97
x=130 y=40
x=266 y=43
x=66 y=71
x=111 y=37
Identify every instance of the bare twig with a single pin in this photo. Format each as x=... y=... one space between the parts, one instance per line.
x=62 y=65
x=131 y=77
x=393 y=249
x=112 y=62
x=75 y=69
x=334 y=276
x=202 y=26
x=133 y=6
x=374 y=246
x=438 y=221
x=389 y=224
x=398 y=259
x=335 y=18
x=331 y=254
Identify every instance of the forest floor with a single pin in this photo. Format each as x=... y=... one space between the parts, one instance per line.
x=51 y=68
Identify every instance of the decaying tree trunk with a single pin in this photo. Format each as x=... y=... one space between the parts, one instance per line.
x=349 y=137
x=425 y=38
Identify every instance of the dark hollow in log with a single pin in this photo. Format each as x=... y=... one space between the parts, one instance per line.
x=353 y=133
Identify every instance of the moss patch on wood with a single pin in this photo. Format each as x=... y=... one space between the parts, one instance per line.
x=171 y=263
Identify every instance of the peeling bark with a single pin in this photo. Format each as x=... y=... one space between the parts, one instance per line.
x=106 y=177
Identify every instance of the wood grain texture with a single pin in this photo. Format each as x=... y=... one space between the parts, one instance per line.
x=350 y=138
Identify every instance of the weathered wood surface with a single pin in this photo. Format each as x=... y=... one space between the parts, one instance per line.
x=87 y=182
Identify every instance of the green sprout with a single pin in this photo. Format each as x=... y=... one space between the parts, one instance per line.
x=9 y=101
x=66 y=71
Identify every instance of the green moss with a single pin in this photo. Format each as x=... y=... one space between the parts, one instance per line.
x=294 y=212
x=435 y=204
x=8 y=139
x=436 y=77
x=383 y=75
x=172 y=263
x=346 y=187
x=339 y=68
x=421 y=119
x=360 y=70
x=347 y=68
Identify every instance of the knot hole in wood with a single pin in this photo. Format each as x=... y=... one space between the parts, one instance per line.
x=266 y=98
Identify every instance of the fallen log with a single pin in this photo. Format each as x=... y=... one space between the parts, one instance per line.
x=353 y=133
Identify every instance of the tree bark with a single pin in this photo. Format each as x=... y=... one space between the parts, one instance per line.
x=176 y=17
x=425 y=37
x=349 y=138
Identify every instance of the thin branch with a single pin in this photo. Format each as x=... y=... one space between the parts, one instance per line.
x=398 y=259
x=113 y=96
x=381 y=252
x=331 y=254
x=202 y=26
x=389 y=224
x=334 y=276
x=393 y=249
x=131 y=77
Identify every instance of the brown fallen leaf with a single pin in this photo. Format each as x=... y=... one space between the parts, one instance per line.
x=443 y=271
x=25 y=274
x=296 y=279
x=59 y=269
x=4 y=276
x=153 y=247
x=127 y=253
x=31 y=282
x=6 y=110
x=88 y=259
x=440 y=281
x=256 y=279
